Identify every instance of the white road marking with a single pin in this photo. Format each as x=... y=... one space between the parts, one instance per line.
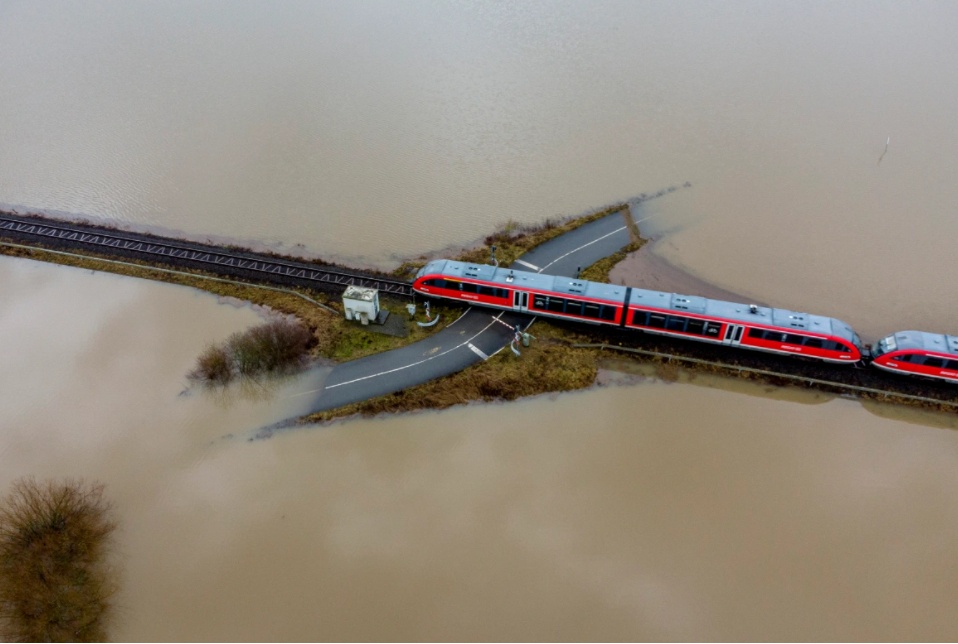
x=477 y=351
x=528 y=265
x=575 y=250
x=419 y=362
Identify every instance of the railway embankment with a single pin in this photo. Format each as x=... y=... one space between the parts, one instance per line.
x=563 y=357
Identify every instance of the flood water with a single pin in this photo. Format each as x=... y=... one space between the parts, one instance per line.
x=372 y=131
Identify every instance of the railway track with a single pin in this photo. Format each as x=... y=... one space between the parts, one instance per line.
x=173 y=252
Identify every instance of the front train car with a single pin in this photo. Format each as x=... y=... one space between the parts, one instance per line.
x=918 y=353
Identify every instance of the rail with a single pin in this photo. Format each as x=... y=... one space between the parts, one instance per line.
x=216 y=259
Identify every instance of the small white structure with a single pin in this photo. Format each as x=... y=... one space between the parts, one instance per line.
x=361 y=304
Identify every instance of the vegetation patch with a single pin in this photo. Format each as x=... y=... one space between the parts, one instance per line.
x=275 y=348
x=55 y=582
x=550 y=364
x=513 y=240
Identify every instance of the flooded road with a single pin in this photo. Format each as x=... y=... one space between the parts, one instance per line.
x=369 y=132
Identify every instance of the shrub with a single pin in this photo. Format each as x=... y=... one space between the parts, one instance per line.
x=273 y=347
x=213 y=366
x=55 y=584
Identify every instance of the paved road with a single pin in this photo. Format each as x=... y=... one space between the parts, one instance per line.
x=476 y=335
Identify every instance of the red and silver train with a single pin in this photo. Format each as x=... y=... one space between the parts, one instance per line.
x=747 y=326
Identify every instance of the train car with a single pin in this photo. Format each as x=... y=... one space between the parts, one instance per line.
x=748 y=326
x=918 y=353
x=690 y=317
x=505 y=288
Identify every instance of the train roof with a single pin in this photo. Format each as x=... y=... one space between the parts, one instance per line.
x=745 y=313
x=510 y=277
x=927 y=341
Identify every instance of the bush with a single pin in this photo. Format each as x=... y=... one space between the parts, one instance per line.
x=274 y=347
x=214 y=366
x=55 y=585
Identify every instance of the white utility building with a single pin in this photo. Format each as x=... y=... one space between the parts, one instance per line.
x=361 y=304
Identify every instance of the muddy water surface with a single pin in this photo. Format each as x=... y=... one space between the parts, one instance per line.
x=370 y=131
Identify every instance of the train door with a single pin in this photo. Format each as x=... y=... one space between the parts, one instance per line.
x=520 y=301
x=733 y=334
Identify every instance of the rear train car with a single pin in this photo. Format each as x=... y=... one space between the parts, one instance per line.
x=918 y=353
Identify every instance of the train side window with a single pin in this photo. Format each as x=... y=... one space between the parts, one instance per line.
x=696 y=326
x=640 y=318
x=466 y=287
x=573 y=307
x=487 y=291
x=815 y=343
x=793 y=338
x=607 y=312
x=951 y=364
x=675 y=323
x=713 y=329
x=758 y=334
x=503 y=293
x=590 y=310
x=905 y=357
x=539 y=302
x=556 y=304
x=932 y=361
x=657 y=320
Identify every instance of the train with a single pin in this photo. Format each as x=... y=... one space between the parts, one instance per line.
x=692 y=317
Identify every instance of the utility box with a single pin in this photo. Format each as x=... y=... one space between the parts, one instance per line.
x=361 y=304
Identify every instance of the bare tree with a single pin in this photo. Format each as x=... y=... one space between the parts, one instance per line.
x=55 y=581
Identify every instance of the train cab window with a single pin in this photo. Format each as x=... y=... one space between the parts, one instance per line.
x=905 y=357
x=696 y=326
x=932 y=361
x=590 y=310
x=675 y=323
x=539 y=302
x=842 y=347
x=640 y=318
x=657 y=320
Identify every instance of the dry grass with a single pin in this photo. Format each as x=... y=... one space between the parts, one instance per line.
x=55 y=584
x=549 y=365
x=513 y=240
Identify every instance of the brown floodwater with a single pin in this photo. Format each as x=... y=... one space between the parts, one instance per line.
x=699 y=509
